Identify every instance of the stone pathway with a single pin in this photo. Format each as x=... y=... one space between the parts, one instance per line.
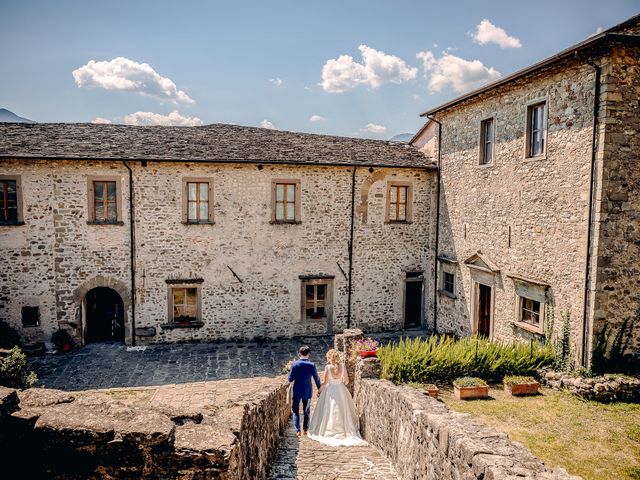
x=112 y=365
x=304 y=459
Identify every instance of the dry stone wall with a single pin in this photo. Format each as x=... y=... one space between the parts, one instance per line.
x=426 y=440
x=56 y=257
x=94 y=436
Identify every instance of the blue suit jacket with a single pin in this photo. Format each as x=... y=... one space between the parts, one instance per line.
x=302 y=371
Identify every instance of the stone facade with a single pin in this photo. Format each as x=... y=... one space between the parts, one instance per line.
x=56 y=257
x=520 y=225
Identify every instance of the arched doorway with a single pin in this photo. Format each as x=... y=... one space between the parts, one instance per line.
x=104 y=315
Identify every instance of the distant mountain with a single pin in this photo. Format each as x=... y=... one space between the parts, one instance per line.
x=401 y=137
x=8 y=116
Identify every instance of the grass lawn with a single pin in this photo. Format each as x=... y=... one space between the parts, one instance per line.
x=593 y=440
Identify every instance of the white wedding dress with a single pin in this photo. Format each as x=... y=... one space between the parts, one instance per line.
x=334 y=421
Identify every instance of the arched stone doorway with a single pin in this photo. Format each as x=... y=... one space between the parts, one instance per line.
x=104 y=316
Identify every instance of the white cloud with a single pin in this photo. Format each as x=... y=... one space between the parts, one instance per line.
x=267 y=124
x=276 y=81
x=374 y=128
x=173 y=119
x=487 y=32
x=101 y=120
x=316 y=118
x=463 y=75
x=126 y=75
x=377 y=68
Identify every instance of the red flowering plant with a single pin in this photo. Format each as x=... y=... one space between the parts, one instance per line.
x=364 y=345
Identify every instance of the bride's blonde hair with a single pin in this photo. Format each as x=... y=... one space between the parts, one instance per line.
x=333 y=356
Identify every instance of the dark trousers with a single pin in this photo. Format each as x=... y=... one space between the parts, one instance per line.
x=306 y=407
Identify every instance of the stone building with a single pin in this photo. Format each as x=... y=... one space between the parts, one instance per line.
x=237 y=232
x=539 y=203
x=515 y=205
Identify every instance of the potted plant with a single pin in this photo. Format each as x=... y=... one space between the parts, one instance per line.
x=365 y=347
x=517 y=385
x=468 y=388
x=62 y=340
x=431 y=390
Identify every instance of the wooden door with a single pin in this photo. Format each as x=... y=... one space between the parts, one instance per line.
x=484 y=310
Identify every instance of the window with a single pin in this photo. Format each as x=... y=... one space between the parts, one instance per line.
x=530 y=312
x=286 y=201
x=399 y=207
x=10 y=201
x=30 y=316
x=316 y=298
x=197 y=200
x=104 y=200
x=448 y=282
x=536 y=129
x=184 y=305
x=486 y=141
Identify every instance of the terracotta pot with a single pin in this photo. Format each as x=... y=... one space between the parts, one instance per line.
x=368 y=353
x=469 y=393
x=522 y=389
x=431 y=390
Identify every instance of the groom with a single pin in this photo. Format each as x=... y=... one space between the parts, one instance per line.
x=302 y=371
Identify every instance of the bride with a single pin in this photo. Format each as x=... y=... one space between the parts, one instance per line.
x=334 y=421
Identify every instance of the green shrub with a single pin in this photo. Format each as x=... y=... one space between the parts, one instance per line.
x=512 y=380
x=442 y=359
x=13 y=371
x=469 y=382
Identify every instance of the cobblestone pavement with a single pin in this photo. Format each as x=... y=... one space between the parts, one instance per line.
x=305 y=459
x=110 y=365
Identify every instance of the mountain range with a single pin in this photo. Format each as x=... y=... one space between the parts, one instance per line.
x=9 y=116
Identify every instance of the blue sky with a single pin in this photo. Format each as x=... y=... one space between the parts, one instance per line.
x=250 y=62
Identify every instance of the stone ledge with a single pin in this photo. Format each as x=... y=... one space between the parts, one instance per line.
x=229 y=429
x=424 y=439
x=603 y=388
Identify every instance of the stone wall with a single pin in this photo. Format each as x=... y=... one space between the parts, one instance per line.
x=55 y=258
x=616 y=299
x=426 y=440
x=93 y=436
x=604 y=388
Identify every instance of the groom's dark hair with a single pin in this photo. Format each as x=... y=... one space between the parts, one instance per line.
x=304 y=350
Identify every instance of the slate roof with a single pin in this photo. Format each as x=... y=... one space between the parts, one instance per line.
x=211 y=143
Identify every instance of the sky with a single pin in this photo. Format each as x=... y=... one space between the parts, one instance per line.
x=348 y=67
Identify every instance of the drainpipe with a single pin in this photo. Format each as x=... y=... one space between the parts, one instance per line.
x=353 y=199
x=435 y=257
x=587 y=272
x=132 y=255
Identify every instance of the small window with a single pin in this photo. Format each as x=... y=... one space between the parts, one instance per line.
x=316 y=299
x=184 y=305
x=286 y=201
x=447 y=282
x=536 y=129
x=104 y=200
x=530 y=312
x=399 y=202
x=10 y=201
x=198 y=200
x=30 y=316
x=486 y=141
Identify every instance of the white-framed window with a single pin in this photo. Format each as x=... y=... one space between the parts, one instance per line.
x=531 y=296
